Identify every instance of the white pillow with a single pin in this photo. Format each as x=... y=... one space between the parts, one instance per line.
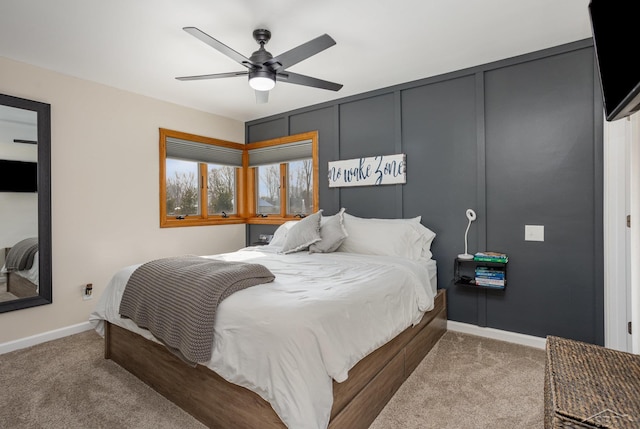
x=281 y=233
x=325 y=219
x=303 y=234
x=332 y=233
x=426 y=235
x=406 y=238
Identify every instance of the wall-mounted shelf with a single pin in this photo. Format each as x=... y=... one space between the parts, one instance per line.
x=464 y=272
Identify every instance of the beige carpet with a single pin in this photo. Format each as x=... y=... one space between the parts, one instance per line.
x=7 y=296
x=464 y=382
x=4 y=295
x=468 y=382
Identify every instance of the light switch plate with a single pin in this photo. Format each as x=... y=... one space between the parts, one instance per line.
x=534 y=232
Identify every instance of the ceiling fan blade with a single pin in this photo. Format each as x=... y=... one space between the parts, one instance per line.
x=214 y=76
x=302 y=52
x=221 y=47
x=262 y=97
x=300 y=79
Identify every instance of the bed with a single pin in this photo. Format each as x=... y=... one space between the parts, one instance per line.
x=21 y=268
x=326 y=344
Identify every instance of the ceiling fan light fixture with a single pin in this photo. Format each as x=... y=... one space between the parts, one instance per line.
x=262 y=81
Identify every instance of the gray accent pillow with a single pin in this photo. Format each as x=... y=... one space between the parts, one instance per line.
x=332 y=233
x=303 y=234
x=280 y=236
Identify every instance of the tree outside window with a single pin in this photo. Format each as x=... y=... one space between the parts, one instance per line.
x=300 y=175
x=268 y=195
x=222 y=189
x=182 y=188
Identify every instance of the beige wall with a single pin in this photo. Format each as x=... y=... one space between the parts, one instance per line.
x=105 y=188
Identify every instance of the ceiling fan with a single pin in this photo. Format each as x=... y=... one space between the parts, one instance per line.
x=263 y=68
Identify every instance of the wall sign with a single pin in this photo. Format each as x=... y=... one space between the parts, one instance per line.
x=372 y=171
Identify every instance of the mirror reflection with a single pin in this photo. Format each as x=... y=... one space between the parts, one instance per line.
x=24 y=203
x=18 y=203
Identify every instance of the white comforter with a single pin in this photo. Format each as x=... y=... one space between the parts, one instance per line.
x=288 y=339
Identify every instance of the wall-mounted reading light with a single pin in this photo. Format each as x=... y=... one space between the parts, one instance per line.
x=471 y=215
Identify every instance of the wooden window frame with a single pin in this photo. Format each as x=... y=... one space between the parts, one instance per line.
x=246 y=212
x=204 y=218
x=251 y=193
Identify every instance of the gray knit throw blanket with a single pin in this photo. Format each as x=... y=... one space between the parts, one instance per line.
x=176 y=299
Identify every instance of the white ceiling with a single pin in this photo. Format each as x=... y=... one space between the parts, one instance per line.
x=139 y=45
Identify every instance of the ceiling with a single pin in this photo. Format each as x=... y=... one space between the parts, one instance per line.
x=139 y=45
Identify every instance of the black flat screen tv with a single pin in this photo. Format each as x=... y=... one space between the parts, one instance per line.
x=614 y=24
x=18 y=176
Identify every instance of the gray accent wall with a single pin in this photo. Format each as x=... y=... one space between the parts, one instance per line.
x=520 y=142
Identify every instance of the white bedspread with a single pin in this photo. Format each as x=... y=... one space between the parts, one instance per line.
x=288 y=339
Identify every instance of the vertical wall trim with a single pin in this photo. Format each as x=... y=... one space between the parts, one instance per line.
x=397 y=102
x=336 y=148
x=481 y=186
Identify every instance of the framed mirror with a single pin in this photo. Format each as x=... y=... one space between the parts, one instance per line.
x=25 y=203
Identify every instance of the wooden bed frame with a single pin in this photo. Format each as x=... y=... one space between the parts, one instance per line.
x=20 y=286
x=16 y=284
x=198 y=390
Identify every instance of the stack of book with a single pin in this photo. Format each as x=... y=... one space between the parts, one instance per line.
x=490 y=277
x=491 y=257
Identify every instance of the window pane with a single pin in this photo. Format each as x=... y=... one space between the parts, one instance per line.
x=183 y=192
x=268 y=195
x=300 y=185
x=222 y=187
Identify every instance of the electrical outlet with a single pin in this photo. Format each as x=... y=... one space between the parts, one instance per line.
x=534 y=232
x=87 y=291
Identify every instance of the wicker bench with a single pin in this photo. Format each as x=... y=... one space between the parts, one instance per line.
x=588 y=386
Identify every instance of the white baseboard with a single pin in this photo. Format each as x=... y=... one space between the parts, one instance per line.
x=44 y=337
x=497 y=334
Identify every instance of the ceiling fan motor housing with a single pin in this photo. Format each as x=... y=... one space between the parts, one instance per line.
x=261 y=57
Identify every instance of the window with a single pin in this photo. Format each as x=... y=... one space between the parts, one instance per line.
x=206 y=181
x=201 y=180
x=282 y=178
x=183 y=192
x=268 y=189
x=222 y=189
x=300 y=185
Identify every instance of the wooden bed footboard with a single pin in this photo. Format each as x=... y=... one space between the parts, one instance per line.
x=20 y=286
x=357 y=401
